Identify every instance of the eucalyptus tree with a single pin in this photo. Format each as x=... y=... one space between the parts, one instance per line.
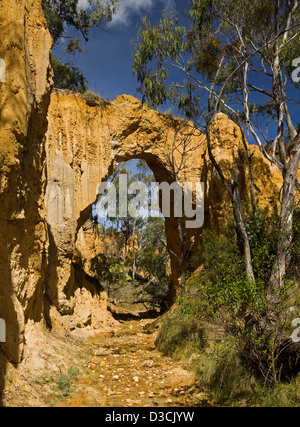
x=236 y=57
x=62 y=15
x=176 y=155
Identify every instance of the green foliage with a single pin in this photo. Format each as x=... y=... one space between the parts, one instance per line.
x=64 y=381
x=255 y=21
x=178 y=333
x=61 y=384
x=263 y=230
x=211 y=49
x=223 y=286
x=110 y=268
x=157 y=44
x=296 y=233
x=221 y=372
x=229 y=50
x=222 y=294
x=207 y=60
x=234 y=359
x=68 y=77
x=74 y=373
x=61 y=14
x=64 y=14
x=152 y=255
x=64 y=384
x=216 y=359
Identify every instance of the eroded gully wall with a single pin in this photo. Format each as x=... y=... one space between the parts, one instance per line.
x=25 y=46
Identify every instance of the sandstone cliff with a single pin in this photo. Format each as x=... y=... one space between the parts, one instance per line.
x=24 y=98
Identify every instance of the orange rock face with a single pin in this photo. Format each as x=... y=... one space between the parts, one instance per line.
x=87 y=138
x=25 y=87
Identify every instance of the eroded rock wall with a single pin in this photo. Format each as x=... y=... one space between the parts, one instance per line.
x=25 y=46
x=88 y=137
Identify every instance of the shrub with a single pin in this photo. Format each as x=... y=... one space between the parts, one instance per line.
x=179 y=332
x=64 y=384
x=220 y=297
x=110 y=269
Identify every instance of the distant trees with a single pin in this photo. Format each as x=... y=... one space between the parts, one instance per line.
x=152 y=256
x=142 y=242
x=110 y=269
x=64 y=14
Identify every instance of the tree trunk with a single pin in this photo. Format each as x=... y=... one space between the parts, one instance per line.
x=133 y=252
x=105 y=222
x=125 y=249
x=283 y=256
x=251 y=173
x=181 y=258
x=240 y=226
x=242 y=235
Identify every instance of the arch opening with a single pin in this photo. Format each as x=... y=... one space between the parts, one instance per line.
x=136 y=272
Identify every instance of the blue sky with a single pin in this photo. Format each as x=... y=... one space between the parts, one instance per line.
x=107 y=62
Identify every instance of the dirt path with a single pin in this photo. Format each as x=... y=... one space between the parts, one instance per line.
x=126 y=370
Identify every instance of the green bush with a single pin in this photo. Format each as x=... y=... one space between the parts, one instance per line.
x=110 y=268
x=64 y=384
x=239 y=362
x=222 y=373
x=223 y=286
x=179 y=333
x=59 y=384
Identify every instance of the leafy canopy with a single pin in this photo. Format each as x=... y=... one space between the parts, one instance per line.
x=208 y=52
x=61 y=15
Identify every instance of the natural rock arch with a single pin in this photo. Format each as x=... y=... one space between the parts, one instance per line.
x=87 y=137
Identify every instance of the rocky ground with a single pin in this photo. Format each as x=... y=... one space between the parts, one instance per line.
x=117 y=368
x=126 y=370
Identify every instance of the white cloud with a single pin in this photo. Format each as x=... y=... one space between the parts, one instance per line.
x=83 y=3
x=129 y=7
